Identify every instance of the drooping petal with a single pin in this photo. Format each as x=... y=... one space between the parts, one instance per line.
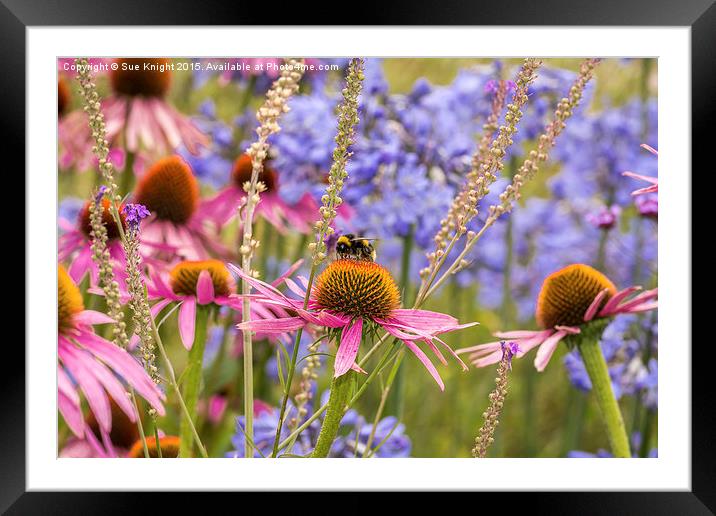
x=452 y=352
x=71 y=413
x=204 y=288
x=187 y=322
x=110 y=384
x=426 y=362
x=348 y=348
x=92 y=389
x=546 y=350
x=124 y=365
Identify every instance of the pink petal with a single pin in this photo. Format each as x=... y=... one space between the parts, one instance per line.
x=423 y=319
x=324 y=318
x=647 y=190
x=644 y=307
x=616 y=299
x=64 y=385
x=123 y=364
x=272 y=326
x=648 y=179
x=72 y=414
x=637 y=300
x=348 y=348
x=158 y=307
x=266 y=289
x=426 y=362
x=90 y=317
x=187 y=322
x=569 y=330
x=110 y=384
x=355 y=367
x=450 y=350
x=546 y=350
x=649 y=148
x=161 y=288
x=94 y=393
x=293 y=287
x=488 y=347
x=204 y=288
x=592 y=310
x=519 y=334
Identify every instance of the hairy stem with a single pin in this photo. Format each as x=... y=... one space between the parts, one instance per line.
x=341 y=389
x=598 y=372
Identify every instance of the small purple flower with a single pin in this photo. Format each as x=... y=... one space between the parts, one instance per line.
x=605 y=218
x=510 y=349
x=100 y=194
x=648 y=206
x=135 y=213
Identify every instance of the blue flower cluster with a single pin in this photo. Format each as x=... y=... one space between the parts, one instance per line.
x=389 y=439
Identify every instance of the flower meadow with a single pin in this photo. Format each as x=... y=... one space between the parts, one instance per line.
x=357 y=257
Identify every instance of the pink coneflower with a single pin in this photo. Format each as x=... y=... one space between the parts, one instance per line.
x=569 y=299
x=653 y=180
x=90 y=364
x=222 y=207
x=202 y=283
x=76 y=241
x=170 y=192
x=347 y=295
x=137 y=113
x=192 y=283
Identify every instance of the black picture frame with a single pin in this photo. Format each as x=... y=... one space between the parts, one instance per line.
x=17 y=15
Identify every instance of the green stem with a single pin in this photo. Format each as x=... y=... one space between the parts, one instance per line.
x=192 y=380
x=173 y=383
x=385 y=359
x=341 y=390
x=396 y=400
x=598 y=372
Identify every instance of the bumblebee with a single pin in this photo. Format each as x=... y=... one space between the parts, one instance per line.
x=358 y=248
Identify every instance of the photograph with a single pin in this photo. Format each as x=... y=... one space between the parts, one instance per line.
x=357 y=257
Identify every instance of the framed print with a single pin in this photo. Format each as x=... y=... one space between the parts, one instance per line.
x=425 y=245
